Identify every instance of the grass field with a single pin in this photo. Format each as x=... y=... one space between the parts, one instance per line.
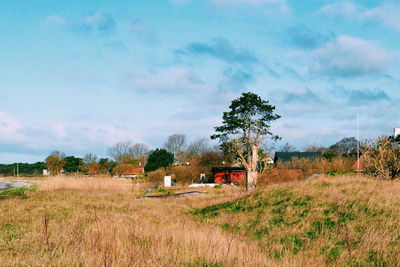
x=344 y=220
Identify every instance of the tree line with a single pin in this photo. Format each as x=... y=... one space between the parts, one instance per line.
x=22 y=168
x=124 y=155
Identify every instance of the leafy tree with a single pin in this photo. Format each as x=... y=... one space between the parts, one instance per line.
x=94 y=168
x=55 y=162
x=23 y=168
x=159 y=158
x=106 y=166
x=72 y=164
x=247 y=122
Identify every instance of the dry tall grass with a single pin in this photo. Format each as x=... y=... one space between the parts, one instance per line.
x=100 y=222
x=103 y=184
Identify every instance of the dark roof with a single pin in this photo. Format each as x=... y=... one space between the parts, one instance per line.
x=228 y=169
x=286 y=156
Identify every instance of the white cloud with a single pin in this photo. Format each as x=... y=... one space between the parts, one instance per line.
x=349 y=56
x=387 y=14
x=342 y=8
x=9 y=128
x=35 y=138
x=171 y=80
x=98 y=23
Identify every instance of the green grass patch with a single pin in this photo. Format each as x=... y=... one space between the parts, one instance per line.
x=20 y=192
x=286 y=222
x=338 y=173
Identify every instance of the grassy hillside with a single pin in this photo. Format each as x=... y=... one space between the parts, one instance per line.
x=334 y=221
x=100 y=222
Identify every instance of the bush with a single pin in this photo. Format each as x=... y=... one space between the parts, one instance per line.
x=189 y=174
x=323 y=165
x=382 y=159
x=156 y=176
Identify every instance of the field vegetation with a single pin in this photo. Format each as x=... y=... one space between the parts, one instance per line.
x=340 y=220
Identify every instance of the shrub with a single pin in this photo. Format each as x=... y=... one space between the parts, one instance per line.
x=324 y=165
x=189 y=174
x=156 y=176
x=382 y=159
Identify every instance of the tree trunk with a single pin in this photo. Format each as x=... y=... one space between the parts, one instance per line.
x=251 y=180
x=252 y=171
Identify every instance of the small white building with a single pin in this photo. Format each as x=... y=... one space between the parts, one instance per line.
x=396 y=132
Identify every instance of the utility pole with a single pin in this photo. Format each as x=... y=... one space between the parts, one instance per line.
x=17 y=170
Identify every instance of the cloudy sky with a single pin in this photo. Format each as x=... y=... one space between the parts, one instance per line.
x=80 y=75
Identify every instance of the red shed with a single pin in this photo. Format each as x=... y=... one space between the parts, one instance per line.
x=227 y=175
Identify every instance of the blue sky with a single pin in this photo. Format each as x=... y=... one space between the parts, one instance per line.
x=79 y=76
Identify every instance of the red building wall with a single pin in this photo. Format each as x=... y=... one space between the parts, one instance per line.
x=227 y=177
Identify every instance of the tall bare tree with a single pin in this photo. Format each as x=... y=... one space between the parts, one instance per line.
x=138 y=150
x=119 y=151
x=199 y=146
x=176 y=143
x=89 y=158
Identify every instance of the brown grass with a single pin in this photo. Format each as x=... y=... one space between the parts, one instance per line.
x=100 y=222
x=103 y=184
x=339 y=221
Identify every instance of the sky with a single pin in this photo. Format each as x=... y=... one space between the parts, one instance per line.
x=79 y=76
